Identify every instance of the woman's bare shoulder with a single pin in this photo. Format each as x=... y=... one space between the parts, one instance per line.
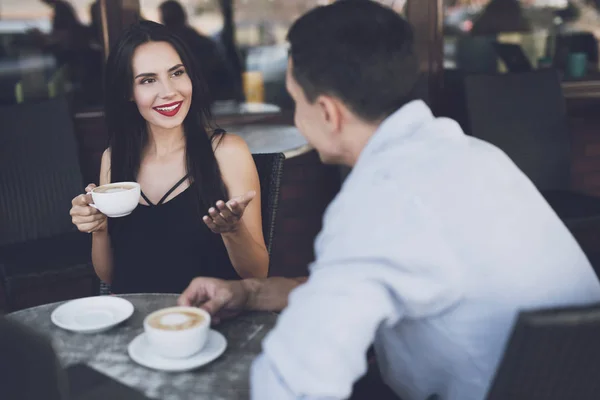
x=230 y=144
x=236 y=163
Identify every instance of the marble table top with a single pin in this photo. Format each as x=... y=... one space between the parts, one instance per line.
x=260 y=138
x=226 y=378
x=232 y=108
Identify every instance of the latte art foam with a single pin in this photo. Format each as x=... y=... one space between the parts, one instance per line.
x=113 y=189
x=175 y=320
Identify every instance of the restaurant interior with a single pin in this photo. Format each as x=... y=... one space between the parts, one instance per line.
x=539 y=61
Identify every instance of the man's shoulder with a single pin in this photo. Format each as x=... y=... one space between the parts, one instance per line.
x=380 y=178
x=367 y=202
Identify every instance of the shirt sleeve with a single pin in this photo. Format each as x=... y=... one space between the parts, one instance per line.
x=318 y=348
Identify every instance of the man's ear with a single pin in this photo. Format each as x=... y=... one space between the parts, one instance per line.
x=331 y=112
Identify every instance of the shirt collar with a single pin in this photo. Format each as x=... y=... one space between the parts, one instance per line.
x=402 y=124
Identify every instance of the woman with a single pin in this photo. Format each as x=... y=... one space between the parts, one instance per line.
x=159 y=136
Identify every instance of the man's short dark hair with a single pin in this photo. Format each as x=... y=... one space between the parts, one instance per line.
x=358 y=51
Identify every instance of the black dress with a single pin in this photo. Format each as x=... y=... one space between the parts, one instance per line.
x=161 y=248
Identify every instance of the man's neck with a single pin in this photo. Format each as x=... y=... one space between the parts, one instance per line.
x=356 y=138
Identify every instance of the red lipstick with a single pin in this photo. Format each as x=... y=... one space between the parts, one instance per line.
x=168 y=110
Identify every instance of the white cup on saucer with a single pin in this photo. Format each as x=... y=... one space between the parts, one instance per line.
x=177 y=332
x=116 y=199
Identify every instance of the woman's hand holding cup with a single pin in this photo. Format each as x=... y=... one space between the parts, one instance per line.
x=86 y=217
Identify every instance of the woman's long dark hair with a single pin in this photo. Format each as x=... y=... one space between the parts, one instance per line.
x=128 y=134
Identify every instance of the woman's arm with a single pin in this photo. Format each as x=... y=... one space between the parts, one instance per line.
x=102 y=258
x=245 y=244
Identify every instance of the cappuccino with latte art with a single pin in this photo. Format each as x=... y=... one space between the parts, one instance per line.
x=177 y=332
x=175 y=320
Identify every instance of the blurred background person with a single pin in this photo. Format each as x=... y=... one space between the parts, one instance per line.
x=501 y=16
x=217 y=73
x=68 y=34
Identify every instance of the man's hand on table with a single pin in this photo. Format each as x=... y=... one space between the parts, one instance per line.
x=221 y=299
x=225 y=299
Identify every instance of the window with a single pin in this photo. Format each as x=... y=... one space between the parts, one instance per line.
x=50 y=48
x=203 y=15
x=483 y=36
x=261 y=27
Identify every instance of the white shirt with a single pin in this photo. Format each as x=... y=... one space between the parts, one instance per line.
x=432 y=247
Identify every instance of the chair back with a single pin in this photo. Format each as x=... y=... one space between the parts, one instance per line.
x=270 y=171
x=551 y=355
x=524 y=115
x=476 y=55
x=39 y=170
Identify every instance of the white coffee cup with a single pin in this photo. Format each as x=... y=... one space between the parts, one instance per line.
x=116 y=199
x=177 y=332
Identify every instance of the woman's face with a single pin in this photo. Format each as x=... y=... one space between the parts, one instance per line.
x=162 y=89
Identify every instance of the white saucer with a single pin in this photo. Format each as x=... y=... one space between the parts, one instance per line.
x=92 y=314
x=140 y=351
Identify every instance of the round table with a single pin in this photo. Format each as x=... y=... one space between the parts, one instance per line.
x=225 y=378
x=285 y=139
x=222 y=108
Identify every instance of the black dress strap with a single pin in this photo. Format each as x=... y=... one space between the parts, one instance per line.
x=147 y=199
x=166 y=194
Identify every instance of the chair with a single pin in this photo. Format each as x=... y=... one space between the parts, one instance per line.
x=551 y=355
x=525 y=116
x=270 y=172
x=43 y=257
x=476 y=54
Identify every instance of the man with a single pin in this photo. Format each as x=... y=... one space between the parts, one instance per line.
x=433 y=245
